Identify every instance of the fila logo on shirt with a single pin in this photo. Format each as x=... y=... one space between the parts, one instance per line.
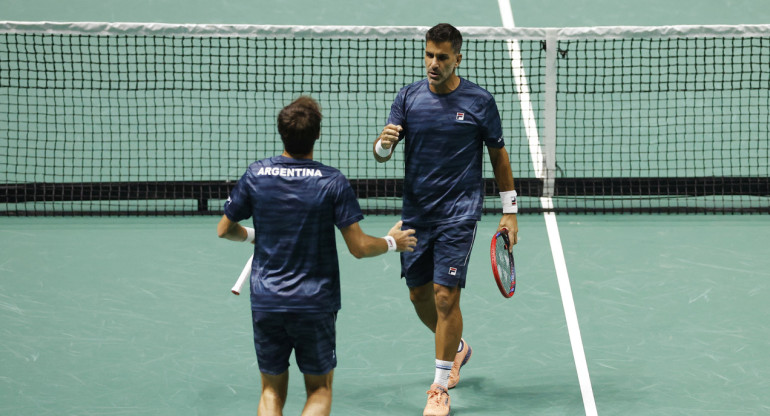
x=460 y=116
x=453 y=271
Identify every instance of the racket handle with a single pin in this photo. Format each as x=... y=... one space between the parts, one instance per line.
x=245 y=273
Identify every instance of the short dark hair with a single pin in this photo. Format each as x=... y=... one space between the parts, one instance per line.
x=299 y=125
x=444 y=32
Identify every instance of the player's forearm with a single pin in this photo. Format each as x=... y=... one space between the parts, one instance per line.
x=231 y=230
x=504 y=179
x=501 y=166
x=363 y=245
x=369 y=246
x=235 y=233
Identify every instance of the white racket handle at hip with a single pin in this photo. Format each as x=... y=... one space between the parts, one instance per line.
x=245 y=273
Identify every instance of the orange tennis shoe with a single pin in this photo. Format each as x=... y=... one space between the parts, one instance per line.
x=438 y=401
x=461 y=359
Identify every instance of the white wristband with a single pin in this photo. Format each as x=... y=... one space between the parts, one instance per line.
x=508 y=199
x=249 y=235
x=391 y=243
x=381 y=151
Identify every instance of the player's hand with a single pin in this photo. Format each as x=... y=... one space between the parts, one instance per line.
x=509 y=222
x=405 y=239
x=390 y=135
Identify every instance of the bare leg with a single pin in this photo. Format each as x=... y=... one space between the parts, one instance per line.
x=438 y=307
x=423 y=300
x=273 y=397
x=319 y=394
x=449 y=327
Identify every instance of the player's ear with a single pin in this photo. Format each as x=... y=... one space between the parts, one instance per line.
x=459 y=58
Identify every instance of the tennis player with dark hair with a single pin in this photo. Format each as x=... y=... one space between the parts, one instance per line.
x=295 y=204
x=445 y=121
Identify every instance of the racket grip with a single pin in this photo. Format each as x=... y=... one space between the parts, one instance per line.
x=245 y=273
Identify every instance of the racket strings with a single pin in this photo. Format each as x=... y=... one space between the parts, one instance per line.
x=503 y=261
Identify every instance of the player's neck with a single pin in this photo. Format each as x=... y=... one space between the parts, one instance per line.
x=289 y=155
x=450 y=85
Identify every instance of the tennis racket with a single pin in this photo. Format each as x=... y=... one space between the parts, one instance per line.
x=503 y=267
x=245 y=273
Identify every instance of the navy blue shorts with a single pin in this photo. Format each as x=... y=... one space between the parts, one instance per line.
x=441 y=254
x=311 y=335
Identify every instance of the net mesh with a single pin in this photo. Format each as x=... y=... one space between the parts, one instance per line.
x=158 y=123
x=680 y=124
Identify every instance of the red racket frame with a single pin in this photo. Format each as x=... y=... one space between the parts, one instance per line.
x=503 y=233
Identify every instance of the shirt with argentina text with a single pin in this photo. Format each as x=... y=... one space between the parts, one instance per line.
x=443 y=139
x=295 y=205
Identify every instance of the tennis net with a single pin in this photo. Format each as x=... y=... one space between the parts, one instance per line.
x=145 y=119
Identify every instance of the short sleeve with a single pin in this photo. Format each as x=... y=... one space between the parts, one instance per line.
x=491 y=126
x=397 y=110
x=347 y=211
x=238 y=206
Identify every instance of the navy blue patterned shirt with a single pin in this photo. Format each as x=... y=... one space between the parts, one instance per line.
x=295 y=204
x=443 y=138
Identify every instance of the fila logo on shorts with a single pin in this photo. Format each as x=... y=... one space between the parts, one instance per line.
x=460 y=116
x=453 y=271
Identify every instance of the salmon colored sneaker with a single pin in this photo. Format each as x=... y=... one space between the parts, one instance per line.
x=461 y=359
x=438 y=401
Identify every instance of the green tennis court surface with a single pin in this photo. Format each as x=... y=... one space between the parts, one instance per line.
x=133 y=316
x=130 y=316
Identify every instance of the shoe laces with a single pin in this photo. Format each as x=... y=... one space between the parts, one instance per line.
x=435 y=396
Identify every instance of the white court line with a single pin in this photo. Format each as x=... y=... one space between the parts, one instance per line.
x=557 y=251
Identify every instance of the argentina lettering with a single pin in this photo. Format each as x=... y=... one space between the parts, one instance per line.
x=288 y=171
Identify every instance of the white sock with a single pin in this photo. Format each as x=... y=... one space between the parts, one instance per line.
x=442 y=373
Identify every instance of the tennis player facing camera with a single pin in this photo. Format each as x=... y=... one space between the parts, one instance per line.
x=444 y=122
x=295 y=203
